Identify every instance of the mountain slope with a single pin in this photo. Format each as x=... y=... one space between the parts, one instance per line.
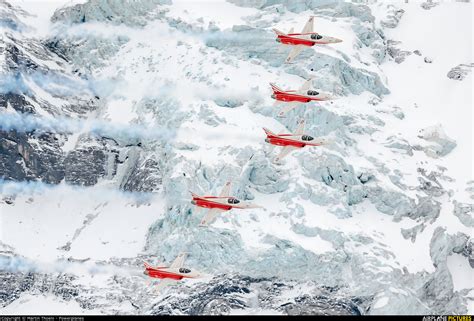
x=376 y=221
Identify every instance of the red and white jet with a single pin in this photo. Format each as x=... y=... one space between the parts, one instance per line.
x=307 y=38
x=171 y=274
x=294 y=97
x=218 y=204
x=291 y=142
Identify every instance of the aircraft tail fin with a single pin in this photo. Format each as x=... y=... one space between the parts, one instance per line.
x=193 y=194
x=268 y=132
x=278 y=32
x=147 y=265
x=276 y=89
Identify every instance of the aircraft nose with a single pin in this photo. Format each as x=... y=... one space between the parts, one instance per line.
x=335 y=40
x=277 y=40
x=193 y=202
x=267 y=140
x=273 y=96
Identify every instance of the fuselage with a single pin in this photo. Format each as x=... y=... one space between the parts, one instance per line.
x=298 y=141
x=223 y=203
x=294 y=96
x=306 y=39
x=170 y=273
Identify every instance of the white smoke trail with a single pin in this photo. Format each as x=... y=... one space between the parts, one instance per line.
x=13 y=84
x=230 y=37
x=29 y=123
x=57 y=84
x=24 y=188
x=16 y=264
x=28 y=188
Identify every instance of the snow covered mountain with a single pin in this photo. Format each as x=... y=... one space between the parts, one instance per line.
x=111 y=111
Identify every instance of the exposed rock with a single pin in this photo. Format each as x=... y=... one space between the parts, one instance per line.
x=429 y=4
x=145 y=177
x=430 y=184
x=460 y=71
x=28 y=156
x=397 y=54
x=86 y=164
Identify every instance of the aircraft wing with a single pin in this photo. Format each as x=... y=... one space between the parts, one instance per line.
x=226 y=189
x=308 y=27
x=300 y=129
x=284 y=152
x=287 y=108
x=305 y=86
x=179 y=261
x=210 y=216
x=163 y=283
x=294 y=52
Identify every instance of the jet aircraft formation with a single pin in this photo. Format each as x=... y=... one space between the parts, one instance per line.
x=289 y=141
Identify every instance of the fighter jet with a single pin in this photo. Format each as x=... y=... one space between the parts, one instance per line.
x=218 y=204
x=295 y=97
x=171 y=274
x=307 y=38
x=291 y=142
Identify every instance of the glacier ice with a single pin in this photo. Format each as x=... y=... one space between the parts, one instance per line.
x=121 y=11
x=314 y=200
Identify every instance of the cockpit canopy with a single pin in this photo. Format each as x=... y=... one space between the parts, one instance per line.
x=312 y=93
x=316 y=36
x=306 y=137
x=233 y=201
x=184 y=270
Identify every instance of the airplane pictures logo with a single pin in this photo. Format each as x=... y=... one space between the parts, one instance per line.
x=447 y=318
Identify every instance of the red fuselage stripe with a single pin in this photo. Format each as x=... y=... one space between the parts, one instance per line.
x=293 y=97
x=278 y=140
x=209 y=204
x=298 y=41
x=159 y=274
x=285 y=142
x=295 y=41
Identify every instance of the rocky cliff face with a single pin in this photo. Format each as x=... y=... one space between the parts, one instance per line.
x=147 y=100
x=39 y=82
